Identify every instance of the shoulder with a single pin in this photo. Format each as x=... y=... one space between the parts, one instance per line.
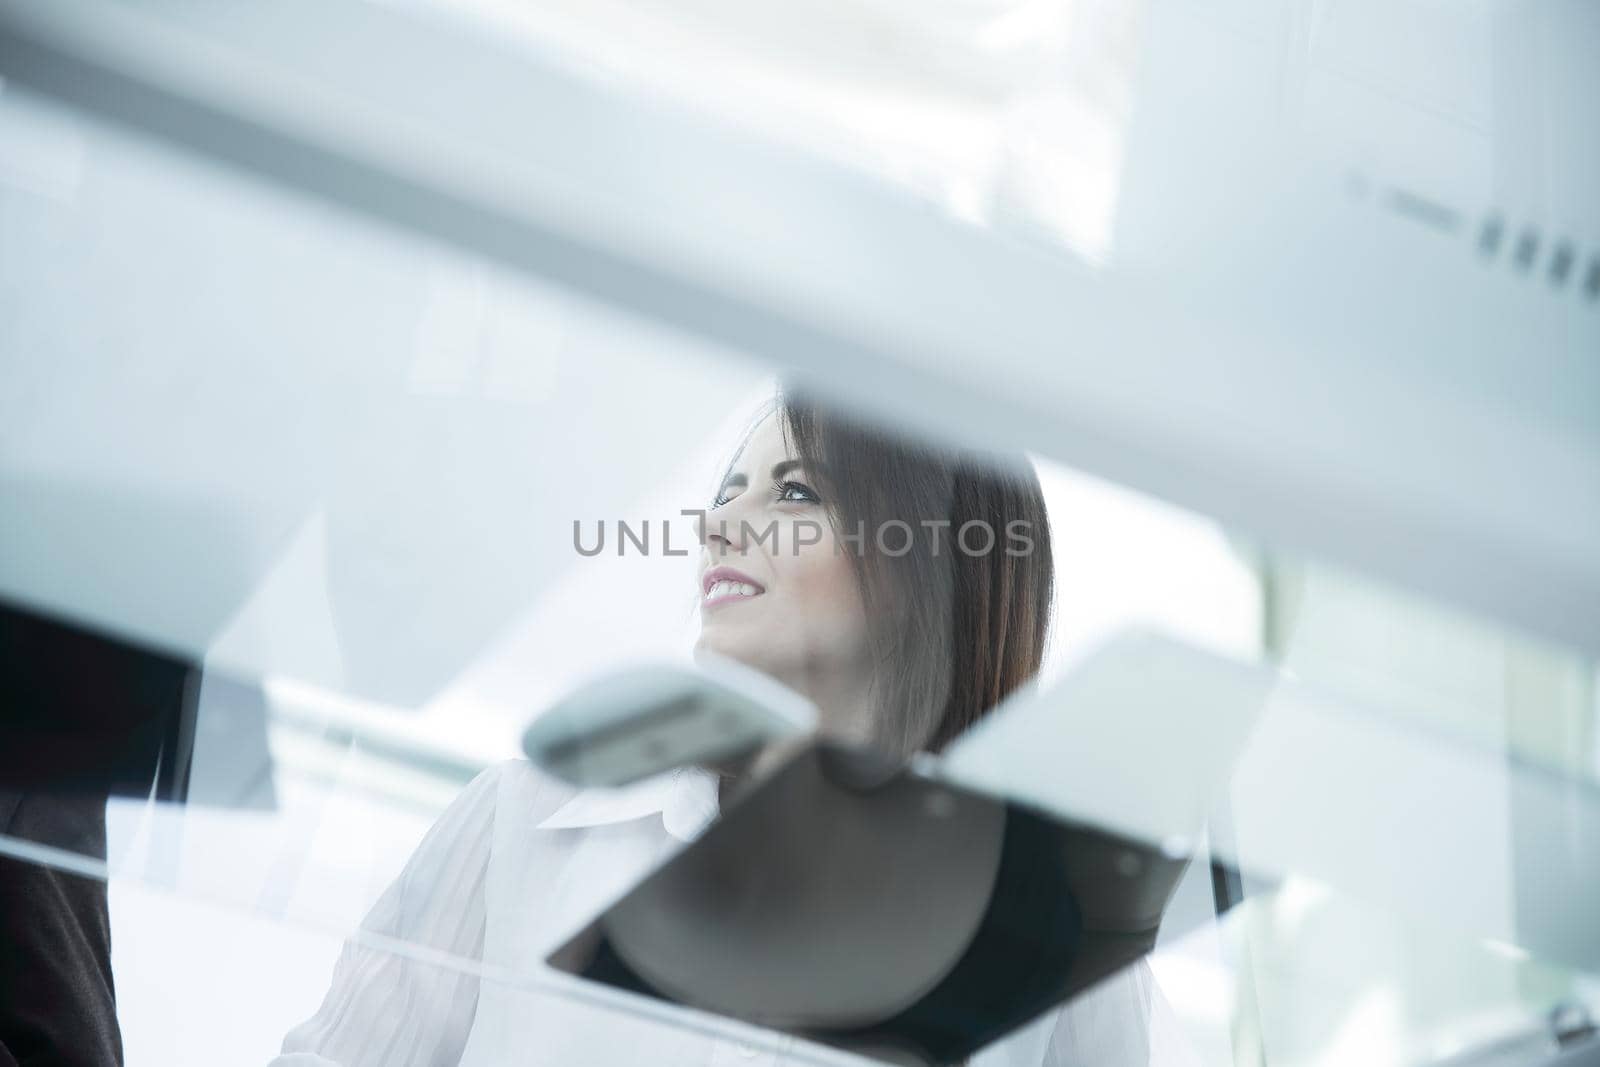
x=518 y=789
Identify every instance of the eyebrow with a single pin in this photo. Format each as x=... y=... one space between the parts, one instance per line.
x=733 y=481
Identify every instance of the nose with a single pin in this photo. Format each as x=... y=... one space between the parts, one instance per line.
x=725 y=529
x=718 y=534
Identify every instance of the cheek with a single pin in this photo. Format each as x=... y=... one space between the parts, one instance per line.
x=814 y=620
x=826 y=594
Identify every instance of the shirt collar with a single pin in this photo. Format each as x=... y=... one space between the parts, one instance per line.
x=685 y=798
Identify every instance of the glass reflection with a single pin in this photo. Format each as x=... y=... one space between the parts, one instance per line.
x=904 y=590
x=334 y=471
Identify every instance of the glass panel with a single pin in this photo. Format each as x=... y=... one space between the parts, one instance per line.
x=307 y=520
x=333 y=518
x=1004 y=114
x=1443 y=669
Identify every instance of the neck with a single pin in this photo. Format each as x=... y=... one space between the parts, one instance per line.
x=845 y=713
x=845 y=709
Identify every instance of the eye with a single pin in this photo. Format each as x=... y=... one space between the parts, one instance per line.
x=796 y=493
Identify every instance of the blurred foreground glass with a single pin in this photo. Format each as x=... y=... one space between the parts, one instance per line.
x=337 y=469
x=1007 y=115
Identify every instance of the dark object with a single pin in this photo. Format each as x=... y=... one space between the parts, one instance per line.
x=57 y=1004
x=1527 y=249
x=892 y=915
x=82 y=716
x=90 y=713
x=1489 y=236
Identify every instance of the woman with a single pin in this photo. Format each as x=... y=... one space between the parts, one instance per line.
x=903 y=589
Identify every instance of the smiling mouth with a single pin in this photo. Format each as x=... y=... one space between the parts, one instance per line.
x=726 y=591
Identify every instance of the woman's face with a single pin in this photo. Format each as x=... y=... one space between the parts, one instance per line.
x=777 y=591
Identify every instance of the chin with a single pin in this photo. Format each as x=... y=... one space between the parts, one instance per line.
x=730 y=646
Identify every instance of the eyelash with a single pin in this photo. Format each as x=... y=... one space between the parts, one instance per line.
x=782 y=488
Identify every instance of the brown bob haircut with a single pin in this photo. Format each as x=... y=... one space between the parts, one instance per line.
x=954 y=631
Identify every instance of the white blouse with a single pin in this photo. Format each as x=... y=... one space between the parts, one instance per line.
x=518 y=863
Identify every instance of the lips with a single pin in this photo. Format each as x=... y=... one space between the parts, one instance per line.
x=723 y=584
